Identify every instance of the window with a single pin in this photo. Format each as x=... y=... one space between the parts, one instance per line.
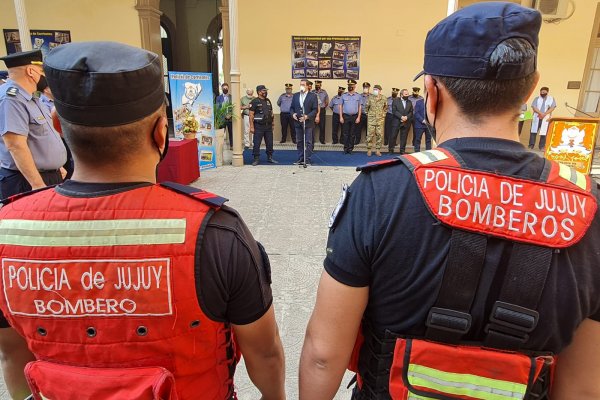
x=165 y=35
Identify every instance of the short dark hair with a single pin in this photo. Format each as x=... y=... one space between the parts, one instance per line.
x=480 y=97
x=101 y=146
x=225 y=84
x=545 y=88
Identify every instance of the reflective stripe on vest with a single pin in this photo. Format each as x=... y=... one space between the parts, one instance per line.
x=573 y=176
x=117 y=232
x=429 y=156
x=464 y=384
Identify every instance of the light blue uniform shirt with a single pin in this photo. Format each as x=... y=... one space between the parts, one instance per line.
x=350 y=103
x=335 y=102
x=285 y=102
x=22 y=114
x=323 y=96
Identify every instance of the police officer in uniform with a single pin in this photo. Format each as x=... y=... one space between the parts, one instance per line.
x=448 y=304
x=31 y=152
x=335 y=109
x=350 y=112
x=261 y=124
x=389 y=116
x=284 y=102
x=363 y=118
x=323 y=103
x=187 y=286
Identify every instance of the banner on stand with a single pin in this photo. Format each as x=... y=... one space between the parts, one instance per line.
x=192 y=102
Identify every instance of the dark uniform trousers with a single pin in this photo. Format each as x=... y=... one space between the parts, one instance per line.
x=387 y=130
x=287 y=125
x=398 y=126
x=262 y=130
x=335 y=127
x=13 y=182
x=361 y=126
x=229 y=126
x=349 y=130
x=418 y=134
x=321 y=124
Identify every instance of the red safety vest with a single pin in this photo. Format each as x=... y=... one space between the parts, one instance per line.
x=103 y=290
x=554 y=214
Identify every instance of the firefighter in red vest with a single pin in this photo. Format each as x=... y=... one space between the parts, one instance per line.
x=115 y=287
x=469 y=271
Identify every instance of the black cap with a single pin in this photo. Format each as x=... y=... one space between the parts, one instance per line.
x=289 y=86
x=309 y=83
x=261 y=87
x=104 y=83
x=416 y=89
x=366 y=84
x=341 y=88
x=3 y=75
x=318 y=82
x=351 y=82
x=23 y=58
x=395 y=90
x=461 y=44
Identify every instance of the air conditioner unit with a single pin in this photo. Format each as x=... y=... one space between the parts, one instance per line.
x=552 y=8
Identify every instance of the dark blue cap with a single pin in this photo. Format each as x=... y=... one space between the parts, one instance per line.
x=3 y=75
x=460 y=45
x=261 y=87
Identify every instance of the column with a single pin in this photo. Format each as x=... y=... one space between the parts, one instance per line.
x=149 y=13
x=23 y=25
x=238 y=160
x=224 y=10
x=452 y=6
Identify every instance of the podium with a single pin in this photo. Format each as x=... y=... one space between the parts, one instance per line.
x=181 y=163
x=571 y=141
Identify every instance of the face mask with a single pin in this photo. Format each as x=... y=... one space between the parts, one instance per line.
x=394 y=94
x=264 y=93
x=376 y=92
x=41 y=84
x=365 y=90
x=404 y=97
x=430 y=127
x=340 y=93
x=225 y=91
x=302 y=88
x=350 y=88
x=415 y=94
x=318 y=87
x=543 y=94
x=165 y=150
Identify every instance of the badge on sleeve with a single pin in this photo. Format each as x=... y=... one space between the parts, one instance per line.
x=12 y=91
x=339 y=207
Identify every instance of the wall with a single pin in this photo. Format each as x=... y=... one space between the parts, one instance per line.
x=115 y=20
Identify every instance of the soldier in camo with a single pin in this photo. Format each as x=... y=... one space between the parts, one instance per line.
x=376 y=109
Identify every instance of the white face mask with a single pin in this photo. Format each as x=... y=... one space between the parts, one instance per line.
x=302 y=88
x=376 y=92
x=365 y=90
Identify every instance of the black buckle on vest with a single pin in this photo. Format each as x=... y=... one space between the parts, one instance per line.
x=514 y=317
x=448 y=320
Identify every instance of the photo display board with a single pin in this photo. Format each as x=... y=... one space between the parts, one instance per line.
x=326 y=57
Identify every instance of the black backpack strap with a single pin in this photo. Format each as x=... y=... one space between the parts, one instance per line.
x=514 y=316
x=210 y=199
x=450 y=319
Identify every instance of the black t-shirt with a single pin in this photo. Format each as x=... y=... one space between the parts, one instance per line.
x=234 y=273
x=386 y=238
x=263 y=110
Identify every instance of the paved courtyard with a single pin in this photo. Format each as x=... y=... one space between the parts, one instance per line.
x=287 y=209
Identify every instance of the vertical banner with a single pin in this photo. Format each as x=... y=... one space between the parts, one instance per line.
x=325 y=57
x=192 y=102
x=44 y=40
x=571 y=141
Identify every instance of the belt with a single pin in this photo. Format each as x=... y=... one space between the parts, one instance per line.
x=351 y=115
x=41 y=171
x=285 y=112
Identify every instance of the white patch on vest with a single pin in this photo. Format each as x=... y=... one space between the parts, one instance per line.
x=340 y=205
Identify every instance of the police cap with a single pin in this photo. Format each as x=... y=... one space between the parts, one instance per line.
x=309 y=83
x=289 y=86
x=366 y=84
x=261 y=87
x=416 y=89
x=104 y=83
x=377 y=87
x=395 y=90
x=460 y=45
x=23 y=58
x=318 y=82
x=341 y=88
x=3 y=75
x=351 y=82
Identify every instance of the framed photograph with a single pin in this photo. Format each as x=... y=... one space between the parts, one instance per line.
x=340 y=46
x=324 y=64
x=339 y=74
x=325 y=74
x=312 y=45
x=352 y=74
x=312 y=64
x=298 y=73
x=312 y=73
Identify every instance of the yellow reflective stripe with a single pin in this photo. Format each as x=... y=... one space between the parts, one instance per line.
x=116 y=232
x=429 y=156
x=572 y=175
x=581 y=181
x=564 y=171
x=465 y=384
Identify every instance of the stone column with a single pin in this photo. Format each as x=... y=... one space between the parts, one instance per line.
x=452 y=6
x=23 y=25
x=224 y=10
x=149 y=13
x=238 y=135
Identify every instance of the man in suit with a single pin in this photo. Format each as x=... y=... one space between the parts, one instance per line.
x=304 y=111
x=402 y=110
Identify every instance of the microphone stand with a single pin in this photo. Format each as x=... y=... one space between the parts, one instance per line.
x=304 y=133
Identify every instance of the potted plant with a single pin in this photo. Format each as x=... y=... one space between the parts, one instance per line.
x=190 y=127
x=222 y=113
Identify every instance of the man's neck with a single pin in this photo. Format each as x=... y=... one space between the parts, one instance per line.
x=114 y=173
x=499 y=126
x=24 y=84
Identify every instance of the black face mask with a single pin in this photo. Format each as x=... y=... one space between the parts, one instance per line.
x=41 y=84
x=394 y=94
x=404 y=97
x=430 y=127
x=318 y=87
x=166 y=149
x=225 y=91
x=350 y=88
x=340 y=93
x=543 y=94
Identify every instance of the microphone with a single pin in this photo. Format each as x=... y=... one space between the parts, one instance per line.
x=579 y=111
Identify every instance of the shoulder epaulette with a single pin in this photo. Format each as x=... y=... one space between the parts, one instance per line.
x=18 y=196
x=12 y=91
x=379 y=164
x=210 y=199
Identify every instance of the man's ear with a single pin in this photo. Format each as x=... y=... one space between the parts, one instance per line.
x=432 y=94
x=161 y=133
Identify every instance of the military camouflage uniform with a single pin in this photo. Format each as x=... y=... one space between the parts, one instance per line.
x=376 y=109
